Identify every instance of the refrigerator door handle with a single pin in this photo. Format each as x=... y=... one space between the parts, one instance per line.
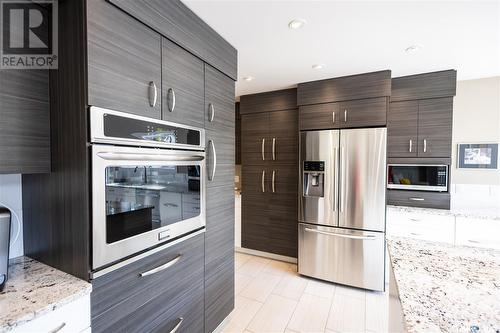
x=335 y=180
x=368 y=237
x=342 y=179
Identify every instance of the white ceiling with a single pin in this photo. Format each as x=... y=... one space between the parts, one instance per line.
x=351 y=37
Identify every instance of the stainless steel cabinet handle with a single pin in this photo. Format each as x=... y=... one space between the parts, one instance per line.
x=274 y=174
x=176 y=327
x=171 y=99
x=345 y=115
x=211 y=115
x=58 y=328
x=369 y=237
x=162 y=267
x=153 y=94
x=214 y=152
x=425 y=145
x=416 y=199
x=274 y=149
x=333 y=117
x=262 y=149
x=262 y=181
x=411 y=142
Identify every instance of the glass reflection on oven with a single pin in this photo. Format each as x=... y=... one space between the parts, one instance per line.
x=143 y=198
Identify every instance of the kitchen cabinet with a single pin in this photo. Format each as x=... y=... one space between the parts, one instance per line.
x=182 y=85
x=24 y=121
x=402 y=129
x=424 y=199
x=435 y=120
x=237 y=132
x=424 y=86
x=131 y=299
x=420 y=128
x=124 y=62
x=319 y=116
x=255 y=144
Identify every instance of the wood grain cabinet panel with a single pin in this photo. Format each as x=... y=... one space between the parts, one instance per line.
x=283 y=136
x=319 y=116
x=402 y=129
x=124 y=60
x=24 y=121
x=371 y=112
x=439 y=200
x=255 y=143
x=219 y=101
x=424 y=86
x=182 y=86
x=278 y=100
x=435 y=120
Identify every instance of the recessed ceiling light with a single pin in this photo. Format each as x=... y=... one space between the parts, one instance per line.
x=296 y=23
x=413 y=48
x=318 y=66
x=248 y=78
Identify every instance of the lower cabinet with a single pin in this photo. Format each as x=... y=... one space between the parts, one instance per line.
x=134 y=298
x=439 y=200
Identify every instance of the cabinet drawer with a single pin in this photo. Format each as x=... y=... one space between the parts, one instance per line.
x=478 y=232
x=117 y=296
x=72 y=317
x=369 y=112
x=440 y=200
x=437 y=228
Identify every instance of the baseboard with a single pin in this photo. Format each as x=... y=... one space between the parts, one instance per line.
x=266 y=255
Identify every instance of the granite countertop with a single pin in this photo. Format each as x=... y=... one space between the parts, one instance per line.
x=34 y=289
x=446 y=288
x=490 y=214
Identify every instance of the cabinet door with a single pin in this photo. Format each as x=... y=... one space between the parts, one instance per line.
x=284 y=136
x=319 y=116
x=254 y=207
x=435 y=119
x=255 y=143
x=182 y=85
x=371 y=112
x=402 y=122
x=124 y=61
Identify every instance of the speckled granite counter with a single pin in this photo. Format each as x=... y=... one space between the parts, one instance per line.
x=446 y=288
x=491 y=214
x=34 y=289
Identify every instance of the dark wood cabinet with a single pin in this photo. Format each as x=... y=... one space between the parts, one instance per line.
x=182 y=86
x=435 y=120
x=125 y=300
x=402 y=129
x=438 y=200
x=24 y=121
x=424 y=86
x=237 y=132
x=370 y=112
x=255 y=144
x=319 y=116
x=124 y=62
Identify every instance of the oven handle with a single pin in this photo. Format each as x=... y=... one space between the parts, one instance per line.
x=145 y=157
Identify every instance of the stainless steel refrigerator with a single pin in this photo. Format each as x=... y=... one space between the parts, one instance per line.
x=342 y=206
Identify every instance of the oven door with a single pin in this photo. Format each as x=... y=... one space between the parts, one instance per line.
x=142 y=197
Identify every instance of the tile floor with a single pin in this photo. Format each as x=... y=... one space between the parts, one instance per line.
x=272 y=297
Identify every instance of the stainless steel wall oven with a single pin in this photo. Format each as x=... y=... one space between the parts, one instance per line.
x=148 y=183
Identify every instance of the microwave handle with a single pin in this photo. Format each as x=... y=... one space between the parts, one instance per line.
x=112 y=156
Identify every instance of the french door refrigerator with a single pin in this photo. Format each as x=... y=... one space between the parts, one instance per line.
x=342 y=206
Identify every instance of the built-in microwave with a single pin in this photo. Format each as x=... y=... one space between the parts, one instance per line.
x=421 y=177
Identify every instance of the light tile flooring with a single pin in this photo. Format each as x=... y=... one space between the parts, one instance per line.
x=272 y=297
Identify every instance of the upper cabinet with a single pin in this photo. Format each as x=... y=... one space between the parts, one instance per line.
x=182 y=85
x=369 y=112
x=124 y=62
x=24 y=121
x=420 y=117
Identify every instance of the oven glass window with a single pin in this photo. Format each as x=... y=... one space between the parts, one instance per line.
x=142 y=198
x=423 y=175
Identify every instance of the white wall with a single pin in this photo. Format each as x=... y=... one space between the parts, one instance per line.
x=476 y=119
x=11 y=197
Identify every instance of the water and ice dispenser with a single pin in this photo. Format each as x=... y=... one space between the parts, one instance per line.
x=314 y=179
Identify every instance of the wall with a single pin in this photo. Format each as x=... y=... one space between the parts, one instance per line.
x=11 y=197
x=476 y=119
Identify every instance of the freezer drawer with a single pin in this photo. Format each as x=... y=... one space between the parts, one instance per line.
x=350 y=257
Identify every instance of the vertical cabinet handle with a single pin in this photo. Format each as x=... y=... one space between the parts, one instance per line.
x=410 y=144
x=333 y=117
x=171 y=99
x=262 y=149
x=153 y=94
x=425 y=145
x=274 y=174
x=262 y=181
x=211 y=110
x=176 y=327
x=274 y=149
x=345 y=115
x=211 y=176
